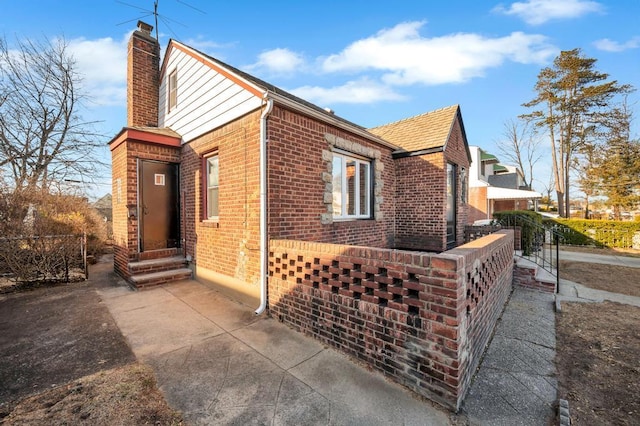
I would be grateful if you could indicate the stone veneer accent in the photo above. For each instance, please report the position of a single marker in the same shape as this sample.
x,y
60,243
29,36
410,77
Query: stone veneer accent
x,y
327,177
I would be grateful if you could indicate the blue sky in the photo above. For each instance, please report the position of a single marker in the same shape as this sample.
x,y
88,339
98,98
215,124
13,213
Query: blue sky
x,y
371,62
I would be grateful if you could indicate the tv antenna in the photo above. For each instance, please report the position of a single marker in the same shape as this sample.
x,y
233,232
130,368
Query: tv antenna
x,y
164,19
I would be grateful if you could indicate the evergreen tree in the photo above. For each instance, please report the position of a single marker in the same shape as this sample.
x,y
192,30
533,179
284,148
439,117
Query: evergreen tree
x,y
618,171
572,97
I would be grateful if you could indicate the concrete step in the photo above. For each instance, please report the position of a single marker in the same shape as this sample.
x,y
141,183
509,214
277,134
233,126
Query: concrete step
x,y
156,265
157,254
157,278
542,279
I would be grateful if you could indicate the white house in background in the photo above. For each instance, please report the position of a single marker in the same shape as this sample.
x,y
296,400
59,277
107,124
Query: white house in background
x,y
494,187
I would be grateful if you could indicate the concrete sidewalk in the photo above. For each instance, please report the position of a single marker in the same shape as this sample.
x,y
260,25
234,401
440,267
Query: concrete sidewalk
x,y
516,383
631,262
574,292
220,364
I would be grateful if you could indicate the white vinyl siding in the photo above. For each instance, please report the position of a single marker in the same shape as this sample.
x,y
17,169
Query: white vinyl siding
x,y
207,98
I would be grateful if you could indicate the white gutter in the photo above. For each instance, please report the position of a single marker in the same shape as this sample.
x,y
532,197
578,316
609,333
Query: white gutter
x,y
263,204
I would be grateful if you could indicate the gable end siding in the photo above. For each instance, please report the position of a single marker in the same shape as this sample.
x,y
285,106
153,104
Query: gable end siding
x,y
206,99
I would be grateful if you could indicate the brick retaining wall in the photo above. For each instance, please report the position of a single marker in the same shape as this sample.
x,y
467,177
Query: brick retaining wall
x,y
526,277
422,319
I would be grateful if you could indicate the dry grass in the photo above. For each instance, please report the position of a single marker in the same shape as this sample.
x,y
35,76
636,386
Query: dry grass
x,y
122,396
598,344
614,278
597,361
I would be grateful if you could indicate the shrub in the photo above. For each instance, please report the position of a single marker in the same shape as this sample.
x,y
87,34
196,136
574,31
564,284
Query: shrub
x,y
599,233
530,224
41,233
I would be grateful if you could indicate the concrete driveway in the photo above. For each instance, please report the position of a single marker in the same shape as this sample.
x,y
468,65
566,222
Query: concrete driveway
x,y
220,364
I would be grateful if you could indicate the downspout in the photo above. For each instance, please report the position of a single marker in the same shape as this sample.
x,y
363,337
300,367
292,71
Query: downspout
x,y
263,204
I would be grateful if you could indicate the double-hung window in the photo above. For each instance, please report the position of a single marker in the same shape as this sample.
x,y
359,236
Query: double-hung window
x,y
351,186
212,190
173,90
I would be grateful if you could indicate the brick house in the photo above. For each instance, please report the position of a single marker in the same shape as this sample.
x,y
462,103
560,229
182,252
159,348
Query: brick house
x,y
326,179
494,187
332,227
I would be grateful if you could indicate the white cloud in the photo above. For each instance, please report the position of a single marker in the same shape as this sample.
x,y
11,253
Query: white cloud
x,y
279,61
204,45
360,91
405,57
102,64
614,46
537,12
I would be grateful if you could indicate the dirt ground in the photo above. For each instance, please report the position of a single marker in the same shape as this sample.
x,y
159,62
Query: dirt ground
x,y
617,279
598,362
122,396
598,346
61,353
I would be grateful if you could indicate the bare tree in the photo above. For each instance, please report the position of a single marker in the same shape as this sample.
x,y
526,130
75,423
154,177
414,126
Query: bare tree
x,y
548,189
43,139
520,146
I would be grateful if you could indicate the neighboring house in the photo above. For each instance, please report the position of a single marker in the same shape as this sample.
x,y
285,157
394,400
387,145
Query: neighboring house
x,y
494,187
104,207
334,228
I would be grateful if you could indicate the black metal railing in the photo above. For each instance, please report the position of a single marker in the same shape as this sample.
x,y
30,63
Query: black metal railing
x,y
538,243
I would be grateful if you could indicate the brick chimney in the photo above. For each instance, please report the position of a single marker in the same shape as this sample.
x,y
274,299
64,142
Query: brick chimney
x,y
143,75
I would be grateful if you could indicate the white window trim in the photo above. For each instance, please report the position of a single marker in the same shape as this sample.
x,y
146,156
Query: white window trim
x,y
206,204
172,88
338,143
343,215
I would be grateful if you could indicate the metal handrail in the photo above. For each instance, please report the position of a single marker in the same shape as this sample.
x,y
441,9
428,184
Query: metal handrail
x,y
543,248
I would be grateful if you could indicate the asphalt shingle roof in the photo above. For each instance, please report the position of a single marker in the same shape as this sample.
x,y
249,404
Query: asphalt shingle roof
x,y
424,131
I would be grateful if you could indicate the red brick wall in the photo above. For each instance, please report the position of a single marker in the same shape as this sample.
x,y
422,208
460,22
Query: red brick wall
x,y
421,319
296,185
420,202
526,277
420,196
143,75
124,171
507,205
121,196
488,277
229,246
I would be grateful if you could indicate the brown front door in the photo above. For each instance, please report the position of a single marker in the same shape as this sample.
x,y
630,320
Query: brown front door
x,y
159,220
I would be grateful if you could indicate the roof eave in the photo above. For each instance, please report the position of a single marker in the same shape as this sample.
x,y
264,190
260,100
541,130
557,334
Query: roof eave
x,y
404,154
329,119
282,100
